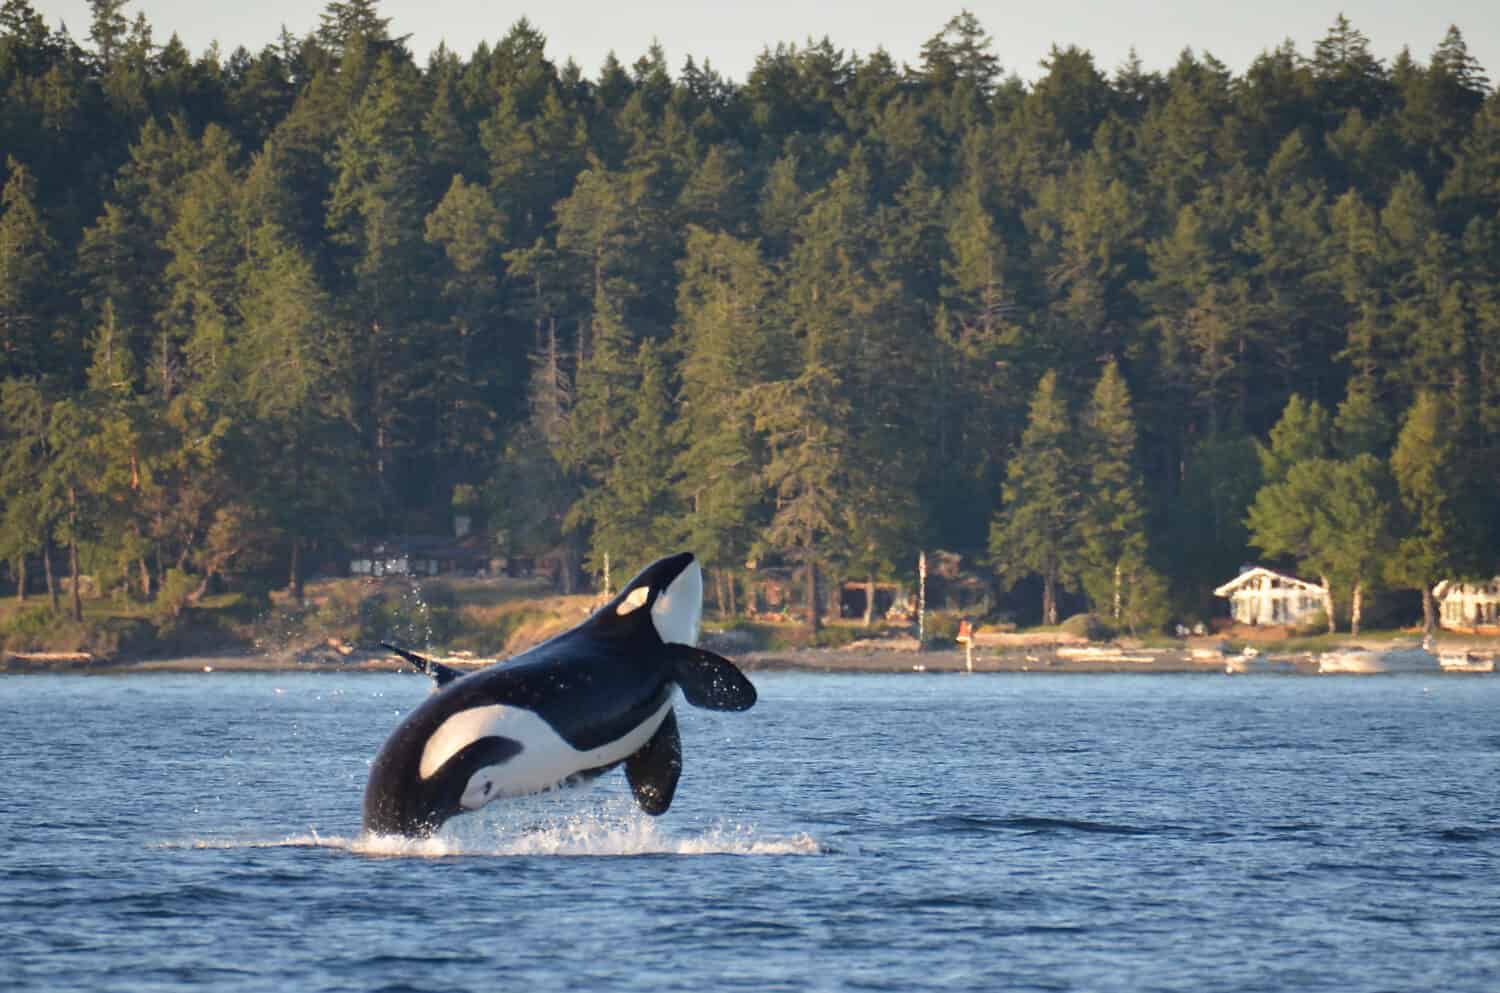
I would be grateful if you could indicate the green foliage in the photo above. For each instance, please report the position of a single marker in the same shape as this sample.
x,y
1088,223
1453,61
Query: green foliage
x,y
1333,517
30,629
254,309
1089,626
173,598
942,629
1036,529
1113,522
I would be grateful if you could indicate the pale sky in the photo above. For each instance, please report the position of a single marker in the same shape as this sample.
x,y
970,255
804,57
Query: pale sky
x,y
732,35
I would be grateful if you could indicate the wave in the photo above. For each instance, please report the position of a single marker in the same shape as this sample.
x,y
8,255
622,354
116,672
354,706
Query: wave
x,y
581,835
968,824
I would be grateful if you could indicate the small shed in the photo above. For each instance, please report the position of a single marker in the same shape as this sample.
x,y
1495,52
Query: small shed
x,y
1468,605
1264,596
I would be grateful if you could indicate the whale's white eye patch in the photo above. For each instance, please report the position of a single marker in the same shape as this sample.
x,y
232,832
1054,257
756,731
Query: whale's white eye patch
x,y
679,607
634,600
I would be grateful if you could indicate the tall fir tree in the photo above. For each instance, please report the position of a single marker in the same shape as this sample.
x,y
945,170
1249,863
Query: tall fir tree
x,y
1035,531
1113,514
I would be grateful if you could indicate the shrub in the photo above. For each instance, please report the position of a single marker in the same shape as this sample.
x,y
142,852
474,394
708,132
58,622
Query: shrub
x,y
172,599
1090,626
1314,623
941,629
834,636
30,629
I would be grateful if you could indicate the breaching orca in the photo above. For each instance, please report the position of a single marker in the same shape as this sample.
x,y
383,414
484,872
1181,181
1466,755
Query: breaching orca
x,y
567,710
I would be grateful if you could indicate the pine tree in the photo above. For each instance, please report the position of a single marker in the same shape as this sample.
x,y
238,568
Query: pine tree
x,y
633,510
730,341
108,30
805,421
342,21
25,274
295,365
1036,529
28,522
1435,541
1113,517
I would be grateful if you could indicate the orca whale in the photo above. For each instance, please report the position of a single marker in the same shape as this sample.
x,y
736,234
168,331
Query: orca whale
x,y
570,709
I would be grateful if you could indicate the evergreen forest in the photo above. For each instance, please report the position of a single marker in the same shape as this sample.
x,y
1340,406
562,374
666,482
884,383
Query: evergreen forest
x,y
1108,335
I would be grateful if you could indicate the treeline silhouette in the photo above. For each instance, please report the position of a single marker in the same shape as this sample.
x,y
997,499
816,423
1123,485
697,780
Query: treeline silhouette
x,y
257,306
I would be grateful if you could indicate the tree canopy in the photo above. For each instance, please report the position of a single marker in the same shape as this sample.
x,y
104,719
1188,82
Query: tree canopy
x,y
255,306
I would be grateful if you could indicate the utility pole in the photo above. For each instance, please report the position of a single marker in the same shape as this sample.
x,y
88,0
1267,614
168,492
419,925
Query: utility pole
x,y
921,599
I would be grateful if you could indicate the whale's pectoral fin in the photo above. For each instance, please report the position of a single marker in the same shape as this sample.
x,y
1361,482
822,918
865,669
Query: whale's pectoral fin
x,y
441,674
653,771
710,680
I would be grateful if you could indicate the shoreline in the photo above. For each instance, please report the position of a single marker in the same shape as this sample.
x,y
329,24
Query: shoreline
x,y
1055,657
829,660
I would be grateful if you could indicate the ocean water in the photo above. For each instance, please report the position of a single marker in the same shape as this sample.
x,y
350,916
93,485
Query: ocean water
x,y
911,832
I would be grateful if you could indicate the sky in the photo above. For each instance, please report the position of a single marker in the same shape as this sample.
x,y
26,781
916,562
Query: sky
x,y
730,36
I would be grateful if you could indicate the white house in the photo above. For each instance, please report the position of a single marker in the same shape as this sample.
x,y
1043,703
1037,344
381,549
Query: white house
x,y
1262,596
1468,605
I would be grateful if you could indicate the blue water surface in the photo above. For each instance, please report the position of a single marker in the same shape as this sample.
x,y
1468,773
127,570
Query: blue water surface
x,y
911,832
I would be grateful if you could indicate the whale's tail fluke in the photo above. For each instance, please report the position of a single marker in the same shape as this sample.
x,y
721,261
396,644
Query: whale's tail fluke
x,y
441,674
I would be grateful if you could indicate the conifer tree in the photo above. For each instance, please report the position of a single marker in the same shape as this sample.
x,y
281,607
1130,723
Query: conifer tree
x,y
1035,531
1435,542
108,30
805,422
295,365
1113,515
25,274
730,341
632,511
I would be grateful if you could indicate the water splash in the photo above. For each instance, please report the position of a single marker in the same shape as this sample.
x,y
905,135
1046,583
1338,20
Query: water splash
x,y
596,834
417,615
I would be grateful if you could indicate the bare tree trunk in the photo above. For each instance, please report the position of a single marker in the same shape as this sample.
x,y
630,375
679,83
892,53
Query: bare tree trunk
x,y
73,553
145,579
869,600
73,568
294,581
1049,599
1117,593
1356,604
1328,605
21,578
732,582
1429,611
814,615
51,579
565,576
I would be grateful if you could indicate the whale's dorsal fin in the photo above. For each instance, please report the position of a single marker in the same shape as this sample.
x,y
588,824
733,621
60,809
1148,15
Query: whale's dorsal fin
x,y
654,770
441,674
708,680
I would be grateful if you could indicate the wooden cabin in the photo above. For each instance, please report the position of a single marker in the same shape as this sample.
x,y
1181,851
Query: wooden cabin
x,y
1263,596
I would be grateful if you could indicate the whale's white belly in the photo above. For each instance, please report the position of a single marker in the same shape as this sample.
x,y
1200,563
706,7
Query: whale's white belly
x,y
545,761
